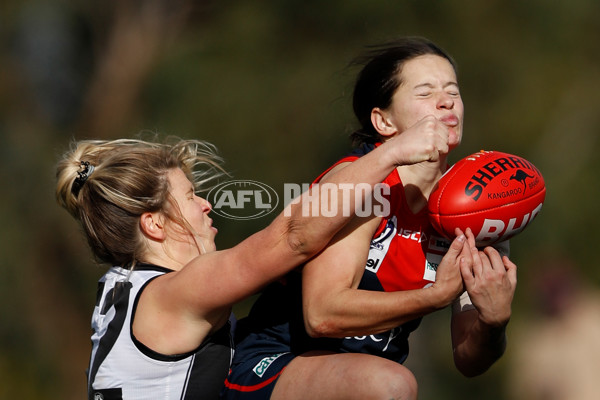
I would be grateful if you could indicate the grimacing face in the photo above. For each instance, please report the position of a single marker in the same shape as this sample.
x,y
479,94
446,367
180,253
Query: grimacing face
x,y
429,87
194,210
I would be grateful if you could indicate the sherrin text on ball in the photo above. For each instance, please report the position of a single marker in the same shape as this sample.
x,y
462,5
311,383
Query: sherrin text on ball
x,y
495,194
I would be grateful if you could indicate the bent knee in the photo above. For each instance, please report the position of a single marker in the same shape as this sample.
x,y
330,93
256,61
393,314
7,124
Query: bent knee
x,y
398,382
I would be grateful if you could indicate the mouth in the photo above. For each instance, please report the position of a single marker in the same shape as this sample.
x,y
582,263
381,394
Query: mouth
x,y
211,227
450,121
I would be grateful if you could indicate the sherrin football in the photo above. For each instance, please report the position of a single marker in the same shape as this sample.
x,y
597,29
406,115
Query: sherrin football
x,y
495,194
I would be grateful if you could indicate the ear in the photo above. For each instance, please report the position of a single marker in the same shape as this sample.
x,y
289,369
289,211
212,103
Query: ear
x,y
381,122
152,226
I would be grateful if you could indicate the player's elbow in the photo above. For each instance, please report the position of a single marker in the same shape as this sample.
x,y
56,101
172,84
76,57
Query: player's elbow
x,y
318,326
475,366
468,370
301,241
319,330
299,245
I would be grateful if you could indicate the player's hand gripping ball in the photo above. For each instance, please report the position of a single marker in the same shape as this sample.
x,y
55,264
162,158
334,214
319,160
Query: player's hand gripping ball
x,y
495,194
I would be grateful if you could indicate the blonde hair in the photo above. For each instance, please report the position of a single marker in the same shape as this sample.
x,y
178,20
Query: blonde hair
x,y
108,185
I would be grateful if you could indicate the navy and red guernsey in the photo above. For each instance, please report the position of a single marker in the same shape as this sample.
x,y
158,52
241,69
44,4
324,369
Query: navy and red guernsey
x,y
404,255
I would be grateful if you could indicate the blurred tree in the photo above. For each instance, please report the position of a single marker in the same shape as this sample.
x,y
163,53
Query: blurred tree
x,y
137,36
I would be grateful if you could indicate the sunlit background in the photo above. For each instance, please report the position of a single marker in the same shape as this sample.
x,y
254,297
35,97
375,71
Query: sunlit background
x,y
268,82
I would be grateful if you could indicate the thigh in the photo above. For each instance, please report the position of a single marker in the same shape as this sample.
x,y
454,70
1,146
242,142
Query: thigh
x,y
320,375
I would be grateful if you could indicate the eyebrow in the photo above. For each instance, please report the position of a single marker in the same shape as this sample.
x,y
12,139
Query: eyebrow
x,y
430,85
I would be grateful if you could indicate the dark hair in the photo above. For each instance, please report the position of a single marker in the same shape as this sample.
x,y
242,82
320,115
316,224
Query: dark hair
x,y
379,78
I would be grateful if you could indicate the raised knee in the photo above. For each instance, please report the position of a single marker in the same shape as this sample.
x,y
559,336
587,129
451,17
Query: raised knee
x,y
400,383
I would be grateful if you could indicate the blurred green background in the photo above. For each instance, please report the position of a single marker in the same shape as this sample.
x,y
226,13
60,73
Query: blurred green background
x,y
268,83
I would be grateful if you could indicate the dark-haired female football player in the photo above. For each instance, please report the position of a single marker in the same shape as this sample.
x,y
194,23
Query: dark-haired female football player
x,y
340,329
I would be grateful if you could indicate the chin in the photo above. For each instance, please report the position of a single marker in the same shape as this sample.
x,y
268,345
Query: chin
x,y
452,147
210,246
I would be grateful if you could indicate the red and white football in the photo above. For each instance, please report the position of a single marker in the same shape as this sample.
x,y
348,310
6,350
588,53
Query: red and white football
x,y
495,194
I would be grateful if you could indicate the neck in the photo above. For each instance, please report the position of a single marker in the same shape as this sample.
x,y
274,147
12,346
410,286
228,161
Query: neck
x,y
172,254
163,261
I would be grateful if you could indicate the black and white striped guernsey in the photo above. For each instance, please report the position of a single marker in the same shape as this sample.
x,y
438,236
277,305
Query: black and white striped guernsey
x,y
123,368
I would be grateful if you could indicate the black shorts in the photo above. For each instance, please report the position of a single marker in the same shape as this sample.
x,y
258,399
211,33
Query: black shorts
x,y
255,377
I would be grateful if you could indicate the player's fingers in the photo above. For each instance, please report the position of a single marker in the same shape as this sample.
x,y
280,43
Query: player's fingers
x,y
428,119
466,271
466,264
466,258
476,265
442,138
495,260
487,263
478,261
443,148
470,237
456,246
511,270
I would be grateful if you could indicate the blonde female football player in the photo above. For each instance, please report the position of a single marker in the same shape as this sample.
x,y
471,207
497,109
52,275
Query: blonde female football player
x,y
161,321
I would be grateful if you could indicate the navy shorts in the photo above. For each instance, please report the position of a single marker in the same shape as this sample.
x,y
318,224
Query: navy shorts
x,y
255,377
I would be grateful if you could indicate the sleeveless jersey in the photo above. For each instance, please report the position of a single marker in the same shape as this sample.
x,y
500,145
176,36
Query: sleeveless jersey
x,y
404,254
123,368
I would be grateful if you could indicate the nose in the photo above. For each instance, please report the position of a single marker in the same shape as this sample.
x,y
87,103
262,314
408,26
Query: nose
x,y
445,101
207,205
